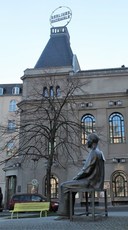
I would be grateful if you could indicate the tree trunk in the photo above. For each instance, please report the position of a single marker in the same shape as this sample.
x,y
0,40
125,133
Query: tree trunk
x,y
48,175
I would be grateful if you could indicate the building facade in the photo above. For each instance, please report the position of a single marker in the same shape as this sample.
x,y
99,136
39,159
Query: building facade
x,y
101,105
10,96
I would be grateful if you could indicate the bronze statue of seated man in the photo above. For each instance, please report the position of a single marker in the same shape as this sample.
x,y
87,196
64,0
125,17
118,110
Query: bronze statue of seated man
x,y
90,176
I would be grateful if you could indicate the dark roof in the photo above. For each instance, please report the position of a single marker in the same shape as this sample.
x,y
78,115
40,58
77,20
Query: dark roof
x,y
7,88
57,52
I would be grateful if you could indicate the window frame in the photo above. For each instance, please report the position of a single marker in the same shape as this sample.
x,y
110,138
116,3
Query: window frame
x,y
51,91
11,125
10,147
12,106
15,90
58,91
119,184
45,92
1,91
116,128
54,187
89,129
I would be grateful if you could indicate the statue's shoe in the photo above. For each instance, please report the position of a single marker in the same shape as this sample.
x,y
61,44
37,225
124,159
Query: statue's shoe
x,y
62,218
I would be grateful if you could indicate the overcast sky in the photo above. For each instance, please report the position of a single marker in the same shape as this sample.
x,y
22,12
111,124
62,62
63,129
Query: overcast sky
x,y
98,34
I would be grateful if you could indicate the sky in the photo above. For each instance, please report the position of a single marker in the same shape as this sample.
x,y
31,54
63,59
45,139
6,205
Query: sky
x,y
98,34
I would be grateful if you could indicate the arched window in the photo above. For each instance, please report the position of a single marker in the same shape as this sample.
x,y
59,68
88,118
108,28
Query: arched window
x,y
58,91
12,106
119,184
54,187
51,91
88,124
45,92
116,128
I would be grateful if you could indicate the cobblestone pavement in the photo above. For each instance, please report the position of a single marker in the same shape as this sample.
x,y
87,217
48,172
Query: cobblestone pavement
x,y
78,223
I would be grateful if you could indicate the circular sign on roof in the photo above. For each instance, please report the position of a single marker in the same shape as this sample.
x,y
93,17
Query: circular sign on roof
x,y
61,16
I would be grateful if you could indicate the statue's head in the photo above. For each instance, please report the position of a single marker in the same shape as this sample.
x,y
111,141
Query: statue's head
x,y
92,138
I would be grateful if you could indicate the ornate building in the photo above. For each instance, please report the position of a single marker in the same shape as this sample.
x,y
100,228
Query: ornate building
x,y
101,105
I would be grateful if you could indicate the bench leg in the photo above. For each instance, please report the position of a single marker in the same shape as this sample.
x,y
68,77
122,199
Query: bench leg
x,y
12,215
45,213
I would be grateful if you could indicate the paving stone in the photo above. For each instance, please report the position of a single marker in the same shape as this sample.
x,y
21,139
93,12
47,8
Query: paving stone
x,y
78,223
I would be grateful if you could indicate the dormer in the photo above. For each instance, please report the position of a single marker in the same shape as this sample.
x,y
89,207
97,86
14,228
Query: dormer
x,y
15,90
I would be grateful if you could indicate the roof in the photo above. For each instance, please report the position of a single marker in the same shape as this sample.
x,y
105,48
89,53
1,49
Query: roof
x,y
7,89
57,52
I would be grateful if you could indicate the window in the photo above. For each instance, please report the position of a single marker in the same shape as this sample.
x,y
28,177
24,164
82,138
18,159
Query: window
x,y
12,106
36,198
1,91
11,125
51,91
119,184
10,147
88,124
15,90
54,187
116,128
58,91
45,92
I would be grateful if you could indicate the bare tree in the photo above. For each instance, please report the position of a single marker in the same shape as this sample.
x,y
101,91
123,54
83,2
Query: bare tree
x,y
49,124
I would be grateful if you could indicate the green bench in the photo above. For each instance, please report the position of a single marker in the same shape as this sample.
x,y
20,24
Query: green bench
x,y
31,207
